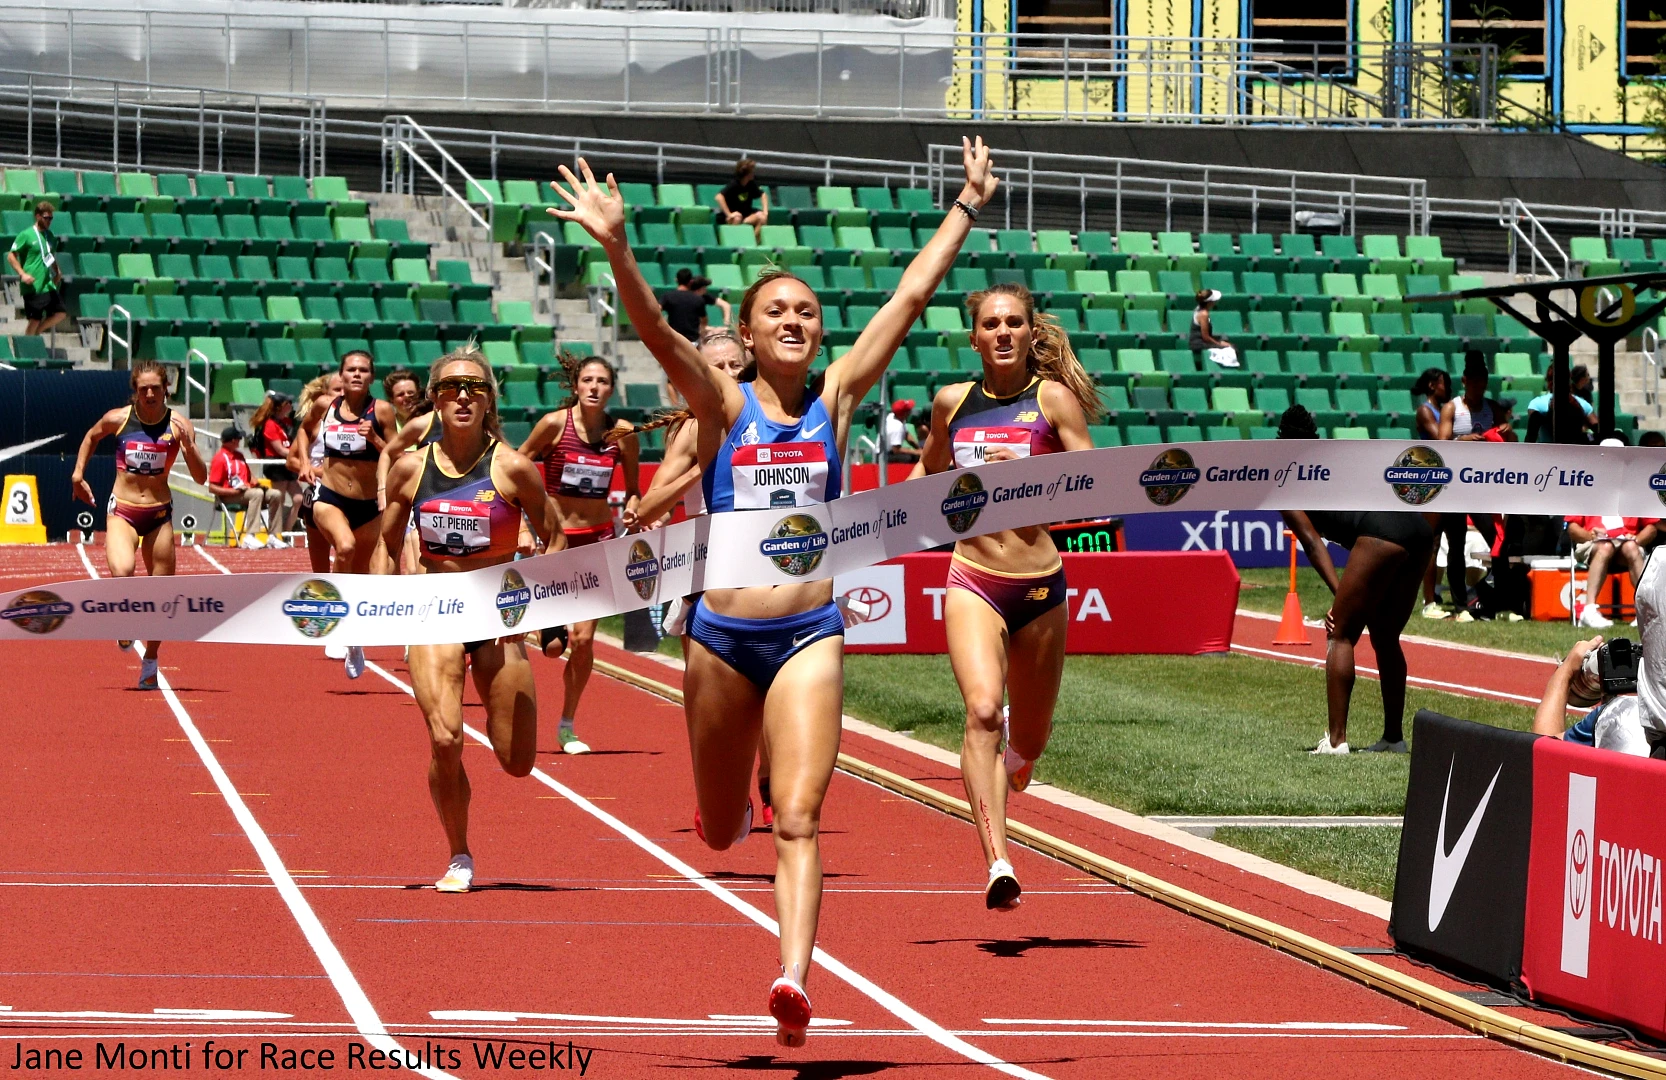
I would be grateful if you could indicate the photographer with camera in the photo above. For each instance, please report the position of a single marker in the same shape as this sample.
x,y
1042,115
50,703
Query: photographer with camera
x,y
1604,675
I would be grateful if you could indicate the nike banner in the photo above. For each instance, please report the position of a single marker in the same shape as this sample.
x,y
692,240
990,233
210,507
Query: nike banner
x,y
1595,934
1460,891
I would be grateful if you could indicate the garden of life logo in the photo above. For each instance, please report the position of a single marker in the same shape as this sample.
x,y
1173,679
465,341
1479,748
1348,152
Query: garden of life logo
x,y
965,501
642,569
1417,475
796,544
315,607
512,598
1657,484
1169,477
37,611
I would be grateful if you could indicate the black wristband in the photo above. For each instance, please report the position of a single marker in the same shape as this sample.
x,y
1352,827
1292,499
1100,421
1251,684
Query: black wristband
x,y
967,209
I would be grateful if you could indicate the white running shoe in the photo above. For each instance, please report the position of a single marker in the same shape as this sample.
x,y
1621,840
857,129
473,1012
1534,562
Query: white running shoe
x,y
571,743
1592,618
459,876
1002,893
273,540
790,1006
251,541
354,661
1383,746
1325,747
1434,609
147,674
335,652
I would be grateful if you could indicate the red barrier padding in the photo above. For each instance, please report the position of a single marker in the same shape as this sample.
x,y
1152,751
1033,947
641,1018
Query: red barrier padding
x,y
1129,602
1595,940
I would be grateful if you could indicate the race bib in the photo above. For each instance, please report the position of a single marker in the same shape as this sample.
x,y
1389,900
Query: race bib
x,y
46,256
145,459
972,444
344,438
454,528
586,475
768,475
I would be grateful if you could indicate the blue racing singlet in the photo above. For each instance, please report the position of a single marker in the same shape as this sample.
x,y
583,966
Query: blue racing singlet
x,y
763,465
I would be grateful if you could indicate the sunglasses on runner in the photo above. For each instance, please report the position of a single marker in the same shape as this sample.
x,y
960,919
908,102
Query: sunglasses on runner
x,y
452,385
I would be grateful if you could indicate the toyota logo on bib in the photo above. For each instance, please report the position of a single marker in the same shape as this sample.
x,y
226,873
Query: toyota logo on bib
x,y
878,600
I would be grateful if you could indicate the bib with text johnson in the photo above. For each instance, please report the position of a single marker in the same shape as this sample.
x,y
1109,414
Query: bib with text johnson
x,y
145,459
972,445
586,474
770,475
455,527
344,438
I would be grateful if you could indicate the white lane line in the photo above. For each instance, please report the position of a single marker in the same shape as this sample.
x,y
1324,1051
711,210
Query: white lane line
x,y
92,571
715,1020
212,561
341,976
887,1001
1277,1025
1315,661
1419,639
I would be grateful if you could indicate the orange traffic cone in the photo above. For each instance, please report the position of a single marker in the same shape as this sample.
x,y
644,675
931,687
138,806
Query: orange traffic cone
x,y
1291,631
1290,628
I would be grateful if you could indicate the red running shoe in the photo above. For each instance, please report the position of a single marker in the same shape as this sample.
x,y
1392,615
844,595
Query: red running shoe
x,y
790,1006
768,819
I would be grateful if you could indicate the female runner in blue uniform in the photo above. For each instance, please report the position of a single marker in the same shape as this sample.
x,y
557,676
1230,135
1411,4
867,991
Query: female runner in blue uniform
x,y
1004,611
149,435
772,657
469,492
353,427
580,444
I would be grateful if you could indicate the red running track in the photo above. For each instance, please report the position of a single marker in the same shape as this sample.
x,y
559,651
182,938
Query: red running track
x,y
601,920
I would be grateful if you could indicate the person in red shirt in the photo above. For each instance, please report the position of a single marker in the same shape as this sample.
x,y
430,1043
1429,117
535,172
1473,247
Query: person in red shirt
x,y
232,484
1596,541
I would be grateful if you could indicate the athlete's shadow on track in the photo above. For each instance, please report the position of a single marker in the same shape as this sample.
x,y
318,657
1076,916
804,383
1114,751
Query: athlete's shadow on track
x,y
1016,947
808,1070
511,886
558,753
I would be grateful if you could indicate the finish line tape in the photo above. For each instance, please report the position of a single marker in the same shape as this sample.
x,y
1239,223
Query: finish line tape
x,y
809,543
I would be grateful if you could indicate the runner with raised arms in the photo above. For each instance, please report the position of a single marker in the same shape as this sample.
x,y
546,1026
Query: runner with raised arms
x,y
772,657
580,445
1004,611
139,518
468,492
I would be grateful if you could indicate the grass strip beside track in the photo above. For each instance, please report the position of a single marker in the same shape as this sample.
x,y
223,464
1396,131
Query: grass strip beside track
x,y
1360,858
1405,987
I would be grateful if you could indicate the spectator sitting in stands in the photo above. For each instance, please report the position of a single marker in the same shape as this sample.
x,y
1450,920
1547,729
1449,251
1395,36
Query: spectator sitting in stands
x,y
232,484
1621,720
1596,541
33,258
1651,438
744,201
1203,339
1580,417
902,445
685,309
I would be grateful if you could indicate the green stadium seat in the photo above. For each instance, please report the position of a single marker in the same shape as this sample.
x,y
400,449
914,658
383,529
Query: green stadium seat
x,y
1425,252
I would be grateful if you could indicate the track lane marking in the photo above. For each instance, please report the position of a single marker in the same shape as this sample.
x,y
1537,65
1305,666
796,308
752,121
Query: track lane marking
x,y
887,1001
358,1005
1315,661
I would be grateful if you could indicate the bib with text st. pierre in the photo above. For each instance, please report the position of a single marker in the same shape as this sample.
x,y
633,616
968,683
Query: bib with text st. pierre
x,y
453,527
972,445
768,475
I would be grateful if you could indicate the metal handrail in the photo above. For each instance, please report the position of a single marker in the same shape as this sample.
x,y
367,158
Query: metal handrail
x,y
186,382
398,143
540,259
112,338
1511,214
598,300
1651,355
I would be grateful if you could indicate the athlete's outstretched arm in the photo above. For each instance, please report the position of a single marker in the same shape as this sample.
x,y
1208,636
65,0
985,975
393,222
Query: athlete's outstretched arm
x,y
528,483
854,373
678,470
392,450
601,213
544,434
396,509
936,455
108,424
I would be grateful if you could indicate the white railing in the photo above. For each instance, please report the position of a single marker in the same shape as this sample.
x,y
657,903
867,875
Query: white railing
x,y
1651,356
112,339
802,65
404,144
1527,230
540,259
186,382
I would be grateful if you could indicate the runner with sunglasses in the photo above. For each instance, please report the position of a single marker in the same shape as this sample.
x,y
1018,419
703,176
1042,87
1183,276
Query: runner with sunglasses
x,y
469,492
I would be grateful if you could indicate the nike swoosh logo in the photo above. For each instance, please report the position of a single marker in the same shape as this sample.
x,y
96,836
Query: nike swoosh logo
x,y
812,432
1444,877
798,642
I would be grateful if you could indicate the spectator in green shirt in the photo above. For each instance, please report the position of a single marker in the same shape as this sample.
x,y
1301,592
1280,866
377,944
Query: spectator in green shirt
x,y
34,258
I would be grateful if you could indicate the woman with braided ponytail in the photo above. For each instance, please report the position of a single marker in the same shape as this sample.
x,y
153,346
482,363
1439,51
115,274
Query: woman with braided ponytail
x,y
1004,610
580,444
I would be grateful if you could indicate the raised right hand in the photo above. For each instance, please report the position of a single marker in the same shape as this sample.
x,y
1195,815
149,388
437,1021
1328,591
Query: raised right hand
x,y
600,213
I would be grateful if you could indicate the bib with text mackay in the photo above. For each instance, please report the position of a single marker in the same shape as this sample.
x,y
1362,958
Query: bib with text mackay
x,y
770,475
972,444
